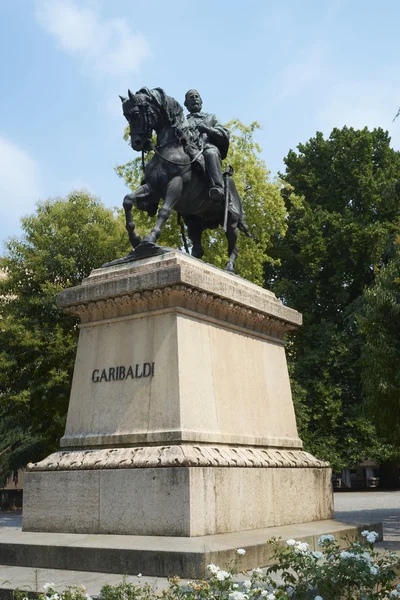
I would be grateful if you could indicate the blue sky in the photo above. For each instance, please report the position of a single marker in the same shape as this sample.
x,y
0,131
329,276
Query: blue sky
x,y
296,67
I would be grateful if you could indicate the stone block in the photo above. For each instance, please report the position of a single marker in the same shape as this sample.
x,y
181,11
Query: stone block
x,y
65,502
175,501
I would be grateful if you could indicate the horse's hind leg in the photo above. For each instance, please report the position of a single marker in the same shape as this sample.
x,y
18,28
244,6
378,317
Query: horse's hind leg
x,y
231,236
195,229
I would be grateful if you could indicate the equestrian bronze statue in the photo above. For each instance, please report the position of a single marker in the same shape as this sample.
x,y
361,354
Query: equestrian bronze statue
x,y
184,173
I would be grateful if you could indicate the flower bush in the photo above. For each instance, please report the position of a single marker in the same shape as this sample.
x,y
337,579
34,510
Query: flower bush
x,y
332,573
73,592
357,572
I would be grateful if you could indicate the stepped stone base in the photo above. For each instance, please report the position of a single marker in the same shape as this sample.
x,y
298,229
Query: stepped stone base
x,y
158,556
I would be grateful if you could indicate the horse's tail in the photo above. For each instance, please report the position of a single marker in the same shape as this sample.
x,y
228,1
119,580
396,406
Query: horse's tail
x,y
236,207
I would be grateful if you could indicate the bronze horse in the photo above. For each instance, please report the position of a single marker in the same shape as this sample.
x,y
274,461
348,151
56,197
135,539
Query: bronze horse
x,y
171,175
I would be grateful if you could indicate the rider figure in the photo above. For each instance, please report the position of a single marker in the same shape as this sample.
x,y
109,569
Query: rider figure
x,y
208,133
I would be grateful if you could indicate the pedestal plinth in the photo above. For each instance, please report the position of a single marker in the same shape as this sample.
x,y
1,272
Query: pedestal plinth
x,y
181,420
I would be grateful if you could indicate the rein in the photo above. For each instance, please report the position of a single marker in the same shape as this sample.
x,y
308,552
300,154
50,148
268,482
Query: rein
x,y
175,163
168,160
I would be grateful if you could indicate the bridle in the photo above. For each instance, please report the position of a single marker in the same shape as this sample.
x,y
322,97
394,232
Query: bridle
x,y
147,131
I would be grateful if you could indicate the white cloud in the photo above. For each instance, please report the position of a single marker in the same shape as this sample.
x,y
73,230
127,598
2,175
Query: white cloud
x,y
19,186
107,46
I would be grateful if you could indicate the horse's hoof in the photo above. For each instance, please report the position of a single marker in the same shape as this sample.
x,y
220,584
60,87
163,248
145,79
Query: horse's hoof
x,y
230,268
150,239
135,240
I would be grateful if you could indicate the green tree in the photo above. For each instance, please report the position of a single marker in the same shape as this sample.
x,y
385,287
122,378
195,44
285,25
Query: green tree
x,y
341,223
379,324
62,242
262,201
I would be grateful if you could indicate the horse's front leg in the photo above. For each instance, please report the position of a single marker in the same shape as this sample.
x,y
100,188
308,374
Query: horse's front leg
x,y
195,229
172,195
130,200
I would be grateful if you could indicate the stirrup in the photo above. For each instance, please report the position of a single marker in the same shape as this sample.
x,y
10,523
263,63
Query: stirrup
x,y
216,193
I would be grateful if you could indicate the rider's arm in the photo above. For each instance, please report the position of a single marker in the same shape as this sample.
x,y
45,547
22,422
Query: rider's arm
x,y
216,133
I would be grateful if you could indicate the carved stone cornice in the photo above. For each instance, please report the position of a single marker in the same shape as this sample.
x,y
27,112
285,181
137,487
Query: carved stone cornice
x,y
176,456
186,298
178,281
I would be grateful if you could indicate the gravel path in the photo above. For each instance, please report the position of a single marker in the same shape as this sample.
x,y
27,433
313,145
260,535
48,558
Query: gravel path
x,y
372,507
10,521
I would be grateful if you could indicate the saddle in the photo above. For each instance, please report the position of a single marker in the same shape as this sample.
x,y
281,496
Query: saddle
x,y
199,163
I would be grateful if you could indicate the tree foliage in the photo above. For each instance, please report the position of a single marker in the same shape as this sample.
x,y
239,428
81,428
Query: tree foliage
x,y
379,324
262,201
62,242
341,225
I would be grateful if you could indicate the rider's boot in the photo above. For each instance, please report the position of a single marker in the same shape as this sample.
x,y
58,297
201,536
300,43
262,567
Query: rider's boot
x,y
216,191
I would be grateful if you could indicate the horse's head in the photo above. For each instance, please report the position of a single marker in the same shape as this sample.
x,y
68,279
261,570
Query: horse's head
x,y
142,118
149,110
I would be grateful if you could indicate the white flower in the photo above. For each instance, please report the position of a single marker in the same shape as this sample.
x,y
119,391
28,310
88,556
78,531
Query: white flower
x,y
301,547
373,570
325,538
241,551
257,572
371,536
271,596
48,586
264,593
394,594
317,555
318,598
213,569
291,542
237,596
345,554
366,556
222,575
247,584
235,586
139,574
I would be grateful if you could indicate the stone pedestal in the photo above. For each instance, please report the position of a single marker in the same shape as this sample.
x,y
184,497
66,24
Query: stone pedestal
x,y
181,420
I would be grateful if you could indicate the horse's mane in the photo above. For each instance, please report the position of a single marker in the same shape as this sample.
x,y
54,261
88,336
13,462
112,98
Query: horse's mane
x,y
169,108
